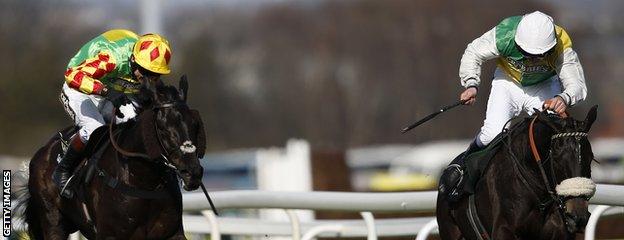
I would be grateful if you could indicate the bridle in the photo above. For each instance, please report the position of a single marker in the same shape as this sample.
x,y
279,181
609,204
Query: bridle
x,y
546,182
536,156
186,147
164,159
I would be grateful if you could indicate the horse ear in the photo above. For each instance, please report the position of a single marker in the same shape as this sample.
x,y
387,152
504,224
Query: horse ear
x,y
591,117
183,88
200,142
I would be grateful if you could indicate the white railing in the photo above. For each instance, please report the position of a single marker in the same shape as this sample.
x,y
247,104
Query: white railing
x,y
366,203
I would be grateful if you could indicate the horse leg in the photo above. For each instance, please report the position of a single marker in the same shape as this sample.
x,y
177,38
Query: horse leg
x,y
448,228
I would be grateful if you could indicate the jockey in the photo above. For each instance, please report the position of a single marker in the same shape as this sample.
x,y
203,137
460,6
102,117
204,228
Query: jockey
x,y
536,68
98,78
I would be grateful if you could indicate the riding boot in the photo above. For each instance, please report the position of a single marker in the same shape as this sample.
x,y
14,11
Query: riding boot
x,y
451,181
65,167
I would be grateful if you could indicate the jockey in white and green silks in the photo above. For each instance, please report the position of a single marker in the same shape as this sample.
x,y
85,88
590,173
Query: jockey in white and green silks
x,y
523,81
536,68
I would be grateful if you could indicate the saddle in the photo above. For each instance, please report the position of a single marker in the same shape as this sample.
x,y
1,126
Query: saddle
x,y
477,163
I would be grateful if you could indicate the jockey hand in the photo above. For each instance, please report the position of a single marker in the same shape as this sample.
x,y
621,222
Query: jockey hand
x,y
556,104
469,95
117,98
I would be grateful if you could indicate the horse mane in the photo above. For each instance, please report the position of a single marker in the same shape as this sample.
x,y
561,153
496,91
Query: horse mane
x,y
151,95
518,132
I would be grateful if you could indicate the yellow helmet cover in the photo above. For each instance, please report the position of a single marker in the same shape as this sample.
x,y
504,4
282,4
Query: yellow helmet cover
x,y
153,53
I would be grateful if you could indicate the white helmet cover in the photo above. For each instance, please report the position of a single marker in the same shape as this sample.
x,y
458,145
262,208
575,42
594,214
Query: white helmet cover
x,y
536,33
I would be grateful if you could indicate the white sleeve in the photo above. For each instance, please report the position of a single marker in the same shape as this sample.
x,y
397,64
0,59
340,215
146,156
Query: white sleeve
x,y
478,51
572,78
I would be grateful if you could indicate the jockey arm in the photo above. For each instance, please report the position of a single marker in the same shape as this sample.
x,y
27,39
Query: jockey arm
x,y
478,51
86,76
572,78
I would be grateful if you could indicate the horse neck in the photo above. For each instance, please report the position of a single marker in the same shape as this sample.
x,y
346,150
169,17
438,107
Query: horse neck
x,y
521,144
145,173
528,170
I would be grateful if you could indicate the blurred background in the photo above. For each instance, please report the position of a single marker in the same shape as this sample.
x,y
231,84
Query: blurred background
x,y
341,76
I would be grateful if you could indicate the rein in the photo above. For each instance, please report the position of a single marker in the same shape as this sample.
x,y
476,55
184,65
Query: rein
x,y
140,155
538,159
117,147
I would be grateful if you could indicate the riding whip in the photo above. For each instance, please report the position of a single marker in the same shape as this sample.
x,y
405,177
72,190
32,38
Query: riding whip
x,y
214,209
430,116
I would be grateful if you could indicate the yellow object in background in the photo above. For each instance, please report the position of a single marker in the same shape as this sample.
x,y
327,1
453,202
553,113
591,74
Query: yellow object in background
x,y
402,182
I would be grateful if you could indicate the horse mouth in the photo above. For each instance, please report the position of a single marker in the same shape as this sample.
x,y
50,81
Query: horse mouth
x,y
190,186
190,181
575,224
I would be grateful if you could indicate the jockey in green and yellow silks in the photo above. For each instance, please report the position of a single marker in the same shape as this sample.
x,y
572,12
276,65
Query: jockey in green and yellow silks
x,y
106,59
97,80
536,69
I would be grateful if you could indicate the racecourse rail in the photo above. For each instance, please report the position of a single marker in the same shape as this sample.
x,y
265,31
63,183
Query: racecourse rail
x,y
607,197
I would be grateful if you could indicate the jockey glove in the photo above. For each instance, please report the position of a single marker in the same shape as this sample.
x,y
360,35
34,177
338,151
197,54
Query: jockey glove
x,y
117,98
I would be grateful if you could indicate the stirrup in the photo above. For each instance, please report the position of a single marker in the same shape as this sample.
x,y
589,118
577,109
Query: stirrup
x,y
454,190
460,170
66,192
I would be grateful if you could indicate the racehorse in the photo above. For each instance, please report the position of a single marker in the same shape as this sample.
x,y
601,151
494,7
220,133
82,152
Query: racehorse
x,y
134,192
537,184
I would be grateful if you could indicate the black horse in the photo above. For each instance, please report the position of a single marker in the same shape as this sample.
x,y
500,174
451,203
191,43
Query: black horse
x,y
537,185
134,192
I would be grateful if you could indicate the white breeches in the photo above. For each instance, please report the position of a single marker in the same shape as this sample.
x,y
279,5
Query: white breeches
x,y
91,111
508,99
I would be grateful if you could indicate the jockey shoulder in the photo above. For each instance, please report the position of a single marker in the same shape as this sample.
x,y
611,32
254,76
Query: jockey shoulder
x,y
117,59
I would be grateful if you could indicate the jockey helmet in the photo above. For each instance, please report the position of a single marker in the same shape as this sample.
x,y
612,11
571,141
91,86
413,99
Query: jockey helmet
x,y
536,33
153,53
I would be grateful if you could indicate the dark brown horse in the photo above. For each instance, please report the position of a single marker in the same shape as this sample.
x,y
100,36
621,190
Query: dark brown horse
x,y
134,193
527,192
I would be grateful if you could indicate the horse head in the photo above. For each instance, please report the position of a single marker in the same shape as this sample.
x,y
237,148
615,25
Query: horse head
x,y
570,159
172,131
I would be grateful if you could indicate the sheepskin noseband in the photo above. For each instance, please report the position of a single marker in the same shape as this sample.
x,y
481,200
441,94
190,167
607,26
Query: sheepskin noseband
x,y
576,187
